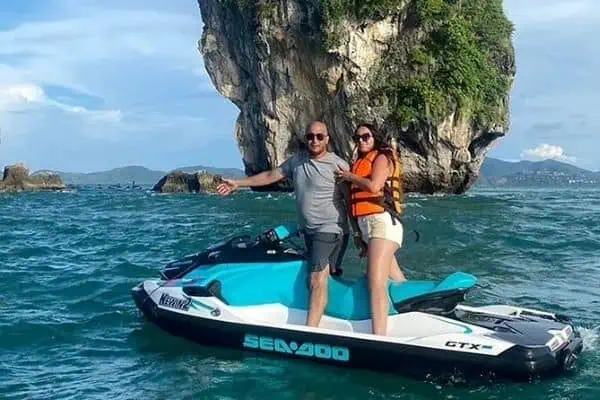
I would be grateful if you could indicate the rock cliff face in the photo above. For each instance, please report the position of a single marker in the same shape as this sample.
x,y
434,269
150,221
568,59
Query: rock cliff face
x,y
406,65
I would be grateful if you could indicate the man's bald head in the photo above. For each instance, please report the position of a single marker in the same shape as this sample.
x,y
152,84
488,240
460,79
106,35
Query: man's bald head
x,y
317,127
317,138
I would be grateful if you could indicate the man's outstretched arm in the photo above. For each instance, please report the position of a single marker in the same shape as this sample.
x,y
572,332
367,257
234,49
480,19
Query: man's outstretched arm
x,y
263,179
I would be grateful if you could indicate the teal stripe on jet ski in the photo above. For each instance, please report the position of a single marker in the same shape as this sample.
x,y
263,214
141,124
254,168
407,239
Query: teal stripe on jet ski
x,y
198,305
286,283
467,328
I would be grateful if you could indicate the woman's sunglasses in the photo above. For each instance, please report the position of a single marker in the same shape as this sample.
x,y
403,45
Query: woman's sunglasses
x,y
312,136
363,138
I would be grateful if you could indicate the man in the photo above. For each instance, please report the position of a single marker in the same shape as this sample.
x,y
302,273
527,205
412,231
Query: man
x,y
321,209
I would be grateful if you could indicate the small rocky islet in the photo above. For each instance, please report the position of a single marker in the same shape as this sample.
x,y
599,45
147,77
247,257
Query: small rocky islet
x,y
17,178
185,182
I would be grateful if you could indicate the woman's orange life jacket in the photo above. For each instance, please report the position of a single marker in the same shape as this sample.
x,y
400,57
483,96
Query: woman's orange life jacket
x,y
389,199
364,202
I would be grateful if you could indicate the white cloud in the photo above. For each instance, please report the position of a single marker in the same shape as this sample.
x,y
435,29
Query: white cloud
x,y
17,98
92,115
29,96
102,63
28,93
511,160
63,51
547,152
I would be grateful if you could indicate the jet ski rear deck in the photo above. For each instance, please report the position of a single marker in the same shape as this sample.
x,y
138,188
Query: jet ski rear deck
x,y
252,295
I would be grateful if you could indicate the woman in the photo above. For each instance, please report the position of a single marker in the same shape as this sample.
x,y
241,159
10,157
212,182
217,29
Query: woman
x,y
371,171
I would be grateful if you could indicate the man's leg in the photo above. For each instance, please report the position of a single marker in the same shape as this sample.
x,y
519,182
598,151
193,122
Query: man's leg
x,y
337,256
320,247
318,296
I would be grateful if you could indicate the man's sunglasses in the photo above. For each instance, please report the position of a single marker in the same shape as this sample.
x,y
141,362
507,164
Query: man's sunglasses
x,y
363,138
312,136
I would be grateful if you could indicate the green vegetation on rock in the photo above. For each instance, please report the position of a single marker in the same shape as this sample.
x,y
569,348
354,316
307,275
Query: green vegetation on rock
x,y
451,55
336,12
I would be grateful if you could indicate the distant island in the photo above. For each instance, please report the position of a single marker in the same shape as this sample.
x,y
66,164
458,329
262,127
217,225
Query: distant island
x,y
134,174
496,172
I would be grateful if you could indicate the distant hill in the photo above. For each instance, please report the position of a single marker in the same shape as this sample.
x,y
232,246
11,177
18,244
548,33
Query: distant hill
x,y
123,175
127,175
496,172
493,172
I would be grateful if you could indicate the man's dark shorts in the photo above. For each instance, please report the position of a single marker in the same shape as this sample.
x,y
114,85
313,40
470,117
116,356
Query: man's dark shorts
x,y
326,249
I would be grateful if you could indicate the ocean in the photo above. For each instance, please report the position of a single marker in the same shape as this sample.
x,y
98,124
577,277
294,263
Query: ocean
x,y
68,260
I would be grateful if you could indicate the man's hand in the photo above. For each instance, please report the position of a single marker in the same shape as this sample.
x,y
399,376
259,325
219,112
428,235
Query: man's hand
x,y
228,186
343,174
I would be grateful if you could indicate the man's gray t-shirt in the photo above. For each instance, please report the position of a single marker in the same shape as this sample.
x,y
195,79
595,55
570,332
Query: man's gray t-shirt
x,y
319,198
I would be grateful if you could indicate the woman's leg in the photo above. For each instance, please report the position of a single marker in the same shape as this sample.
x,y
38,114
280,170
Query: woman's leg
x,y
380,256
395,272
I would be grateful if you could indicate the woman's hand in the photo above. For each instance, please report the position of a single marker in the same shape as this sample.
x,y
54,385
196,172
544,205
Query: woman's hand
x,y
343,174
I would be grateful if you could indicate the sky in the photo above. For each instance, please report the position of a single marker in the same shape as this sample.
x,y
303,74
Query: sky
x,y
89,85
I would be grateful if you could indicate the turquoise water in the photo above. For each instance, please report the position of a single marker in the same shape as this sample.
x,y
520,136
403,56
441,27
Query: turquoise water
x,y
69,329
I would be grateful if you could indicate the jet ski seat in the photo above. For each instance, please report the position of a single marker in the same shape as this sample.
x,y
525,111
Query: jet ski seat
x,y
350,299
286,283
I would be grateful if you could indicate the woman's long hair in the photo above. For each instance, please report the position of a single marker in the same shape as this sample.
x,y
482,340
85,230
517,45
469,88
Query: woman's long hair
x,y
382,143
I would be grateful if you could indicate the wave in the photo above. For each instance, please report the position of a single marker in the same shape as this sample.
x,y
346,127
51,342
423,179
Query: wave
x,y
591,338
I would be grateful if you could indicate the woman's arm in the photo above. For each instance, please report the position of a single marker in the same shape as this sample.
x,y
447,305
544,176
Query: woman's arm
x,y
380,173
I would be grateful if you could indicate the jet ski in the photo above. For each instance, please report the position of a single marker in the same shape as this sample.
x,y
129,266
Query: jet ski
x,y
251,294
